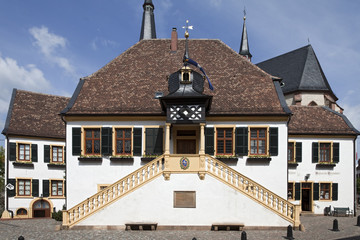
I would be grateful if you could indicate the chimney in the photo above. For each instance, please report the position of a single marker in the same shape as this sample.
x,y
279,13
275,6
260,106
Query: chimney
x,y
174,40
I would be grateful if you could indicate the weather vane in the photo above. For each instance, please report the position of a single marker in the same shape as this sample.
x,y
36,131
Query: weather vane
x,y
187,27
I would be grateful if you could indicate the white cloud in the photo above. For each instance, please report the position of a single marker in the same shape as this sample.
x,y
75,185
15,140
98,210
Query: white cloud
x,y
103,42
23,77
215,3
51,45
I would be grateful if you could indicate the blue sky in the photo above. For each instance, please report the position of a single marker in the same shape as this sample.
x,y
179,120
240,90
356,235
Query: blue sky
x,y
46,46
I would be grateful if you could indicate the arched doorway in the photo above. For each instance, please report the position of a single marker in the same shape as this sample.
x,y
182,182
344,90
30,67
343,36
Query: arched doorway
x,y
41,208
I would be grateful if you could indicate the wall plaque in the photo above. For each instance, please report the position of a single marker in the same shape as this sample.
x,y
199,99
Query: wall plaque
x,y
184,199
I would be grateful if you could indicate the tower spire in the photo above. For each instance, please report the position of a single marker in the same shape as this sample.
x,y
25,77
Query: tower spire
x,y
148,21
244,45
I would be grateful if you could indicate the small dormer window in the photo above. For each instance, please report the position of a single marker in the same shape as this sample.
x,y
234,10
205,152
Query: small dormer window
x,y
185,75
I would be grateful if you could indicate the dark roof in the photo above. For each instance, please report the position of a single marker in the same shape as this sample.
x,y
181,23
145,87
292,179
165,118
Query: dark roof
x,y
36,115
127,85
300,71
319,120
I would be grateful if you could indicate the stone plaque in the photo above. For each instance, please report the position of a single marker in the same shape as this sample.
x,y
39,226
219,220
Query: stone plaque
x,y
184,199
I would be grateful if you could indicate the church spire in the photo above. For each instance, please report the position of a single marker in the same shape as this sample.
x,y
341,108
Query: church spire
x,y
148,21
244,45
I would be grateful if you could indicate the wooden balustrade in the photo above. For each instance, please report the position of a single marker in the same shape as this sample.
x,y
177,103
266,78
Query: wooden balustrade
x,y
113,192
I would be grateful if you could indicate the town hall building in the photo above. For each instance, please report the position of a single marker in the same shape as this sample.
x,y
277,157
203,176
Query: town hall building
x,y
167,145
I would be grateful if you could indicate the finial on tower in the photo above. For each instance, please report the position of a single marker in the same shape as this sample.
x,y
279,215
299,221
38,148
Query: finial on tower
x,y
148,21
186,54
244,45
187,27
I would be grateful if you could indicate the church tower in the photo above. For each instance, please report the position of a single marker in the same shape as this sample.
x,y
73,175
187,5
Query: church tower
x,y
244,45
148,21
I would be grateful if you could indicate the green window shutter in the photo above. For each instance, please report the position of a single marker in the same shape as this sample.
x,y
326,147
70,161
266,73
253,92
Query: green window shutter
x,y
64,188
298,152
316,191
34,153
297,191
46,153
11,193
12,152
273,141
64,154
241,141
154,141
159,141
35,187
106,141
137,142
334,191
209,140
336,152
46,188
315,152
76,141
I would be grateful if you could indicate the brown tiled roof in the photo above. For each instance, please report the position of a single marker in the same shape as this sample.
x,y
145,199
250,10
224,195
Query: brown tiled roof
x,y
34,114
319,120
127,85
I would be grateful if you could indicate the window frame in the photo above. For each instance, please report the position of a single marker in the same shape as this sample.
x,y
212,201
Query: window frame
x,y
52,156
51,185
83,140
225,139
329,189
114,136
18,152
292,192
330,160
266,154
18,188
293,152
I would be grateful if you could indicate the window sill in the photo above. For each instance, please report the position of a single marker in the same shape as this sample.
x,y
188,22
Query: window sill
x,y
56,165
27,164
90,158
24,197
147,159
227,158
325,165
56,197
293,164
119,158
259,158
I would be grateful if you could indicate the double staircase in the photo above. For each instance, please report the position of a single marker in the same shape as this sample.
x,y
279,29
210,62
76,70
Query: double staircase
x,y
161,165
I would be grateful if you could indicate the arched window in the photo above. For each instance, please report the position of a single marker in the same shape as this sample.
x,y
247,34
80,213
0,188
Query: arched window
x,y
312,104
21,211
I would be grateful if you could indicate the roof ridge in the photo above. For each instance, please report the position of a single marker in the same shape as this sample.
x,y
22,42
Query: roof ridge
x,y
43,94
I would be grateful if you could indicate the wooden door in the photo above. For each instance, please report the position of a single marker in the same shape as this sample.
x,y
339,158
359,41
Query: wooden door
x,y
186,146
306,197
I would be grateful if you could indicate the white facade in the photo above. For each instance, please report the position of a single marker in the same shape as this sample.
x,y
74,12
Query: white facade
x,y
341,173
39,171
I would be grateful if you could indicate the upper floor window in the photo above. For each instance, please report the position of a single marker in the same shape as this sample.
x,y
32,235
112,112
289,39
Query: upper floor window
x,y
24,152
224,141
291,152
57,154
24,187
123,141
325,152
258,141
92,141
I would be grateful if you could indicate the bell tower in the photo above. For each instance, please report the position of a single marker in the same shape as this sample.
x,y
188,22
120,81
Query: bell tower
x,y
148,21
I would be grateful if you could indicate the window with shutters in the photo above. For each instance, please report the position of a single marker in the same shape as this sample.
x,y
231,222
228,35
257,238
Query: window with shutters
x,y
153,141
23,152
325,191
123,141
92,141
291,191
224,141
291,152
57,154
23,188
57,188
325,152
258,141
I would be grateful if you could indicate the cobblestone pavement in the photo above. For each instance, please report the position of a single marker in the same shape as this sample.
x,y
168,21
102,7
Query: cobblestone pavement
x,y
316,228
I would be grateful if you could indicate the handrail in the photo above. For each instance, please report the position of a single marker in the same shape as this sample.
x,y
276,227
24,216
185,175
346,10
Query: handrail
x,y
113,192
255,191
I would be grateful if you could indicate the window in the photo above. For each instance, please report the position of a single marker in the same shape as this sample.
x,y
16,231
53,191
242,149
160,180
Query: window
x,y
325,191
24,187
123,141
258,141
92,141
291,191
291,152
325,152
57,188
21,212
224,141
57,154
24,152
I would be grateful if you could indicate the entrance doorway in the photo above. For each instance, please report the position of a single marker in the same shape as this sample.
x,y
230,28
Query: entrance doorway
x,y
185,140
41,208
306,203
186,146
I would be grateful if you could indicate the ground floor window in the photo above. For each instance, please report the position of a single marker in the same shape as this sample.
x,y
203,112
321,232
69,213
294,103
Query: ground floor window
x,y
325,191
24,187
57,188
21,212
291,190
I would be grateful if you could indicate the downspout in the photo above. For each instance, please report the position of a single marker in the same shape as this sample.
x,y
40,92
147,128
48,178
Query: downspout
x,y
354,173
7,173
62,118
